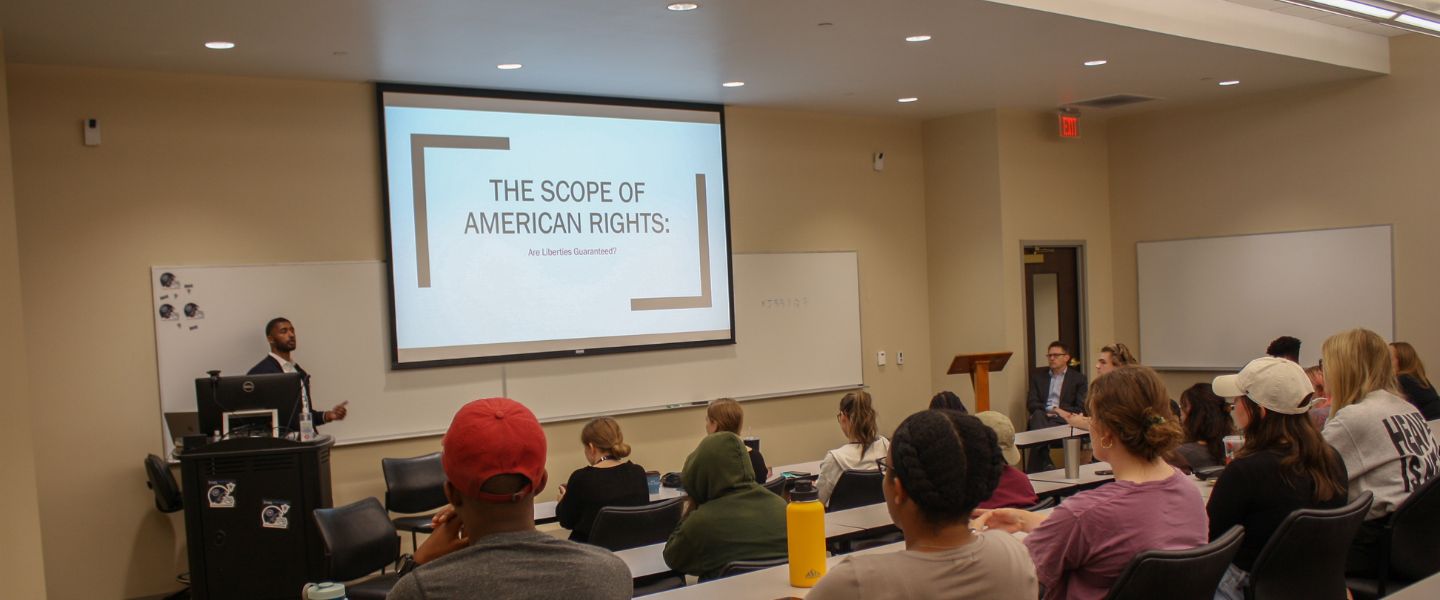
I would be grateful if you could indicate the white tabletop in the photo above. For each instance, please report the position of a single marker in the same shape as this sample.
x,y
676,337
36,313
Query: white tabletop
x,y
1048,434
812,467
545,511
1049,487
772,583
649,560
863,518
1089,473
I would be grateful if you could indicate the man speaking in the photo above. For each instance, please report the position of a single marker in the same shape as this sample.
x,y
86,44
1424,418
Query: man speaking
x,y
281,335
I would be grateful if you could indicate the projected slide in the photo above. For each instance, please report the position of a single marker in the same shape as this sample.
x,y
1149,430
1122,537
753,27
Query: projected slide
x,y
534,227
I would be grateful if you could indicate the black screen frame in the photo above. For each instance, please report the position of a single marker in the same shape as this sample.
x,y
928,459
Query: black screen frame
x,y
381,88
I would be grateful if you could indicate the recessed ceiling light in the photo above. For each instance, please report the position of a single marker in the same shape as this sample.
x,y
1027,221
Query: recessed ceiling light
x,y
1418,22
1095,63
683,6
918,38
219,45
1359,7
733,84
1231,82
907,100
509,66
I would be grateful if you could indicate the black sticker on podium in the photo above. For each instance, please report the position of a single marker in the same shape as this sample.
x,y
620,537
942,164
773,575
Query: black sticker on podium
x,y
221,493
272,514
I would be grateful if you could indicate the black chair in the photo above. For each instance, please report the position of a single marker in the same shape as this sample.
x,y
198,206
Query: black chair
x,y
1178,574
1409,547
740,567
359,540
856,489
1044,503
776,485
162,482
619,528
1305,558
167,500
414,485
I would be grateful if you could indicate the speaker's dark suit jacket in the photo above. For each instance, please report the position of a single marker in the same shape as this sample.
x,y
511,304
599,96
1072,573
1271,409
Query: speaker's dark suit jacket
x,y
1072,390
269,365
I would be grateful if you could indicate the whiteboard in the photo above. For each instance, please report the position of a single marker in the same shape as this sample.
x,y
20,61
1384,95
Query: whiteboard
x,y
797,330
1216,303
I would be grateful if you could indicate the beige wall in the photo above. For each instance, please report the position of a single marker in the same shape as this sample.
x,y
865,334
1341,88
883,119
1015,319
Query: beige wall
x,y
1358,153
996,180
21,567
962,209
222,170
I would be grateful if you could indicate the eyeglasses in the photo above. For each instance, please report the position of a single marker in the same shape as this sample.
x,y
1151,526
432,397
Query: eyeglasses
x,y
1055,355
883,463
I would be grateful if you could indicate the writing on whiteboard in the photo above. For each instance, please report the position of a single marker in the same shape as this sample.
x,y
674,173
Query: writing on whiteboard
x,y
796,303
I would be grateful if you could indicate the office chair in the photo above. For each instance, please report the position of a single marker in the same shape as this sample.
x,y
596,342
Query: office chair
x,y
359,540
414,485
1178,574
1409,548
623,527
1305,558
856,489
167,500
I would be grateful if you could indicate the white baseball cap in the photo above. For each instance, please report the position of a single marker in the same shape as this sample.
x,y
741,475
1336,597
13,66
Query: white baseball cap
x,y
1277,384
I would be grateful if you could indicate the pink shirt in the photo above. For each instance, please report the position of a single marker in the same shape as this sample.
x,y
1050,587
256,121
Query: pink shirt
x,y
1080,550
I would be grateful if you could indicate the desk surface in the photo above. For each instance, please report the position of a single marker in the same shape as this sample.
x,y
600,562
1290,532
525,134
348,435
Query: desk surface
x,y
1089,473
545,511
1049,434
812,467
772,583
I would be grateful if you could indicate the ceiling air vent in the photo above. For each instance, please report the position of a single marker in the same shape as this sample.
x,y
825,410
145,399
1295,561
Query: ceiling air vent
x,y
1112,101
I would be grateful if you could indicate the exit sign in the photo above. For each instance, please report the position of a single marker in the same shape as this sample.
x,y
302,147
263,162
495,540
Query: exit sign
x,y
1069,126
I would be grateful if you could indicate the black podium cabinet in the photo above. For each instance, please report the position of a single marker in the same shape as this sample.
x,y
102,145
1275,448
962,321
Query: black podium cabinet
x,y
248,521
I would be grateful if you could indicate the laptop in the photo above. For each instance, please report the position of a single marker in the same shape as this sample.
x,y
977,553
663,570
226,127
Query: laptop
x,y
182,424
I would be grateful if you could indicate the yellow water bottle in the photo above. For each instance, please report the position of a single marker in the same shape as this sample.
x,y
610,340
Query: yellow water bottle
x,y
805,530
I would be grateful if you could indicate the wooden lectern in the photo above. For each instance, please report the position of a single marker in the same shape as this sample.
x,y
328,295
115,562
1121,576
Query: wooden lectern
x,y
979,367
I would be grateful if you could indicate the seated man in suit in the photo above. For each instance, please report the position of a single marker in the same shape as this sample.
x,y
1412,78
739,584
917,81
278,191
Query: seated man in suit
x,y
281,335
1052,388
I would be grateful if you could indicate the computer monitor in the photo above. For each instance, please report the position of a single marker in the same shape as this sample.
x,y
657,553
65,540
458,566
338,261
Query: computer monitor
x,y
242,396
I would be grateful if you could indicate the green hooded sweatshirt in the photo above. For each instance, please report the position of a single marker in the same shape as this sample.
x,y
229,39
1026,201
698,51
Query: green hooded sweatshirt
x,y
736,518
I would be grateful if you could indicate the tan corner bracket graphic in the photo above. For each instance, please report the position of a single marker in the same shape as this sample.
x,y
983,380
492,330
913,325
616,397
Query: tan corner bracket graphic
x,y
419,142
703,300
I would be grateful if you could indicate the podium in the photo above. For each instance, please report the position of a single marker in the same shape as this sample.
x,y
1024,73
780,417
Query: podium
x,y
979,367
248,524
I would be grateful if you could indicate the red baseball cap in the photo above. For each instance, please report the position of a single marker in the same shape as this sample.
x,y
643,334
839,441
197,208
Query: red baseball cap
x,y
489,437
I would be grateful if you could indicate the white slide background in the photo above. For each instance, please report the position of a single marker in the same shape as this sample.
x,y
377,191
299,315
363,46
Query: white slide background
x,y
797,328
1216,303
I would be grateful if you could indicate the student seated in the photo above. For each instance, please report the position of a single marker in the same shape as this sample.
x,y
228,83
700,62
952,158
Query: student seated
x,y
726,415
1014,489
947,400
1202,414
1055,391
1410,373
1086,542
1385,442
857,422
941,464
610,480
485,544
730,518
1284,465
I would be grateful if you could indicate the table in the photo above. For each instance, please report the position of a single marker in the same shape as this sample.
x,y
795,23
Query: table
x,y
545,511
1089,475
650,560
812,467
1035,437
768,583
1050,488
